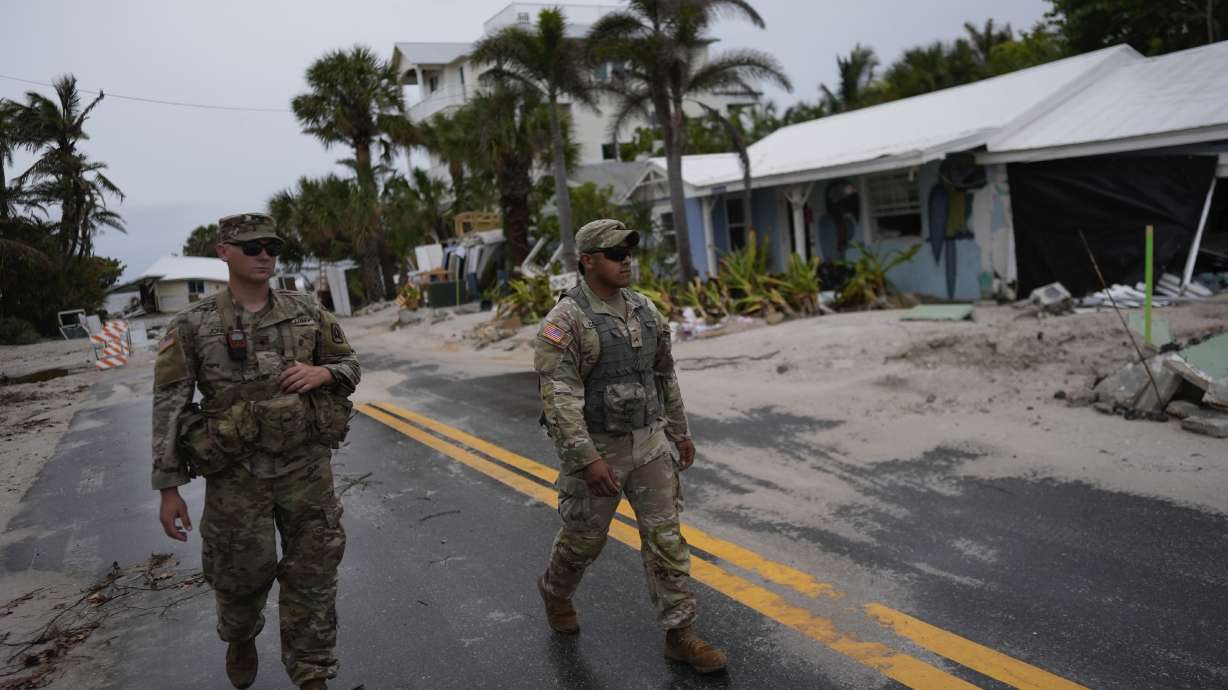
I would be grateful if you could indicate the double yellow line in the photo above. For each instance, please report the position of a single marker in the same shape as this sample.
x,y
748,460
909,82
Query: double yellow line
x,y
507,467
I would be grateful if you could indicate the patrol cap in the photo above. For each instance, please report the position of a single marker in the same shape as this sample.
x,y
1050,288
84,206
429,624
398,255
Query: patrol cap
x,y
246,226
603,234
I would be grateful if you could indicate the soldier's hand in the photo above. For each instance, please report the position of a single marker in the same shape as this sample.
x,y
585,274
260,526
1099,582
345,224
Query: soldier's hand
x,y
173,508
302,378
686,453
600,479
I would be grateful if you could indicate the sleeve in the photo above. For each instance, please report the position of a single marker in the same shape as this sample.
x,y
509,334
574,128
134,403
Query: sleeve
x,y
174,385
336,355
676,426
557,361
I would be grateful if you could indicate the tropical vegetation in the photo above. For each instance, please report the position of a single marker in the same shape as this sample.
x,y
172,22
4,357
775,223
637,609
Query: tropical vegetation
x,y
52,212
549,62
658,44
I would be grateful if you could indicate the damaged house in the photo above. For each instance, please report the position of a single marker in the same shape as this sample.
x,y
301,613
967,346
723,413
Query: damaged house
x,y
997,177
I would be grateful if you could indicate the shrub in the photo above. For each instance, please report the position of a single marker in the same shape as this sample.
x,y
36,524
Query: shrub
x,y
869,281
528,298
15,331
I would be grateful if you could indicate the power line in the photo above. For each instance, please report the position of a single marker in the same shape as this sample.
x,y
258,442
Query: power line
x,y
180,104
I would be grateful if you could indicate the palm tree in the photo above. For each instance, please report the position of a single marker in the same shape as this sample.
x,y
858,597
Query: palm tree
x,y
514,135
547,60
62,174
356,101
322,215
984,40
10,141
414,209
856,77
451,138
202,241
660,42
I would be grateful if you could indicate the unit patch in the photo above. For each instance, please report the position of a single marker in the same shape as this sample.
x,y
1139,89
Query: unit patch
x,y
338,336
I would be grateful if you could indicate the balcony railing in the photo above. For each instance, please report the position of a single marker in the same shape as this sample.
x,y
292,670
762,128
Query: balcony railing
x,y
443,99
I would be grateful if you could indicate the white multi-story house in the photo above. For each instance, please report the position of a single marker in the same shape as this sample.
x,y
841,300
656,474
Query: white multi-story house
x,y
446,79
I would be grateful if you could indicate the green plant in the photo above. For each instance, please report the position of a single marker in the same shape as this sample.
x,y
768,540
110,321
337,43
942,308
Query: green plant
x,y
528,298
744,275
800,284
410,297
869,281
663,294
15,331
710,300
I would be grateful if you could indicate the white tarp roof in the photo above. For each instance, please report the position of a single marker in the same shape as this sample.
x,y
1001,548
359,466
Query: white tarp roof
x,y
1180,97
186,268
911,130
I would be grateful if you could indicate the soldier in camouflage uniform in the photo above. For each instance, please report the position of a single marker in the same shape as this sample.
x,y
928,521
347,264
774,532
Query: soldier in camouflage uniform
x,y
613,407
274,370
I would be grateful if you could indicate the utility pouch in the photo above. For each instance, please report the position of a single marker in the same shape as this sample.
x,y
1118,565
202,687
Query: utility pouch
x,y
233,428
283,423
625,407
196,446
330,417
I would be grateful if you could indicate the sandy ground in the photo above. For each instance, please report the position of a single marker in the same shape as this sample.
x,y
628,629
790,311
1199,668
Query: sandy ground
x,y
892,385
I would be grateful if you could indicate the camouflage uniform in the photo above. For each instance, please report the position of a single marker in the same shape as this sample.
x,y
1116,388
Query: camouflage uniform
x,y
567,351
278,482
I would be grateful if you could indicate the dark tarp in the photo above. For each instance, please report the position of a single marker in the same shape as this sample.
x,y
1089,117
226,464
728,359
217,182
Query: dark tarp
x,y
1111,199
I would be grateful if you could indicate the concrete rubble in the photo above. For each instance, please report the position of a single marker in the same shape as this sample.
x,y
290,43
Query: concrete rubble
x,y
1190,384
1053,298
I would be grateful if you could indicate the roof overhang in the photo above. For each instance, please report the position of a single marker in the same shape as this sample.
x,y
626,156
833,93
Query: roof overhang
x,y
1146,142
409,58
896,161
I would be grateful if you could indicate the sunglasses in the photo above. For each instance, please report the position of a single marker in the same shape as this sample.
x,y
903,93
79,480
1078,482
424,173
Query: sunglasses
x,y
253,247
614,253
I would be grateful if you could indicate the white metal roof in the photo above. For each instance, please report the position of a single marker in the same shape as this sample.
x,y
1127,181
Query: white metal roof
x,y
186,268
406,55
1179,96
911,130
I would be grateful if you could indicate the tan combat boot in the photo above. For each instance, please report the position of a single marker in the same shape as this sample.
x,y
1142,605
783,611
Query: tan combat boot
x,y
314,684
683,645
242,663
560,614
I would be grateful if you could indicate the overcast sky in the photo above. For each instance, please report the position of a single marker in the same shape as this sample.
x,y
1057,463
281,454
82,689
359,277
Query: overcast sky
x,y
182,167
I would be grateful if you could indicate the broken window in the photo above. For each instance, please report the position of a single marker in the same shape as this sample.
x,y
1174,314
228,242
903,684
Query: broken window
x,y
895,206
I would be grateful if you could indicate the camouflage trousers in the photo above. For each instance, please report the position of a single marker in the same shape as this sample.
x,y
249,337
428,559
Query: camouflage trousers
x,y
243,517
654,493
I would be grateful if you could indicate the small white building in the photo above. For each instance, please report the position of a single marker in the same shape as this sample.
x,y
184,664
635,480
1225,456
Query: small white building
x,y
446,79
173,283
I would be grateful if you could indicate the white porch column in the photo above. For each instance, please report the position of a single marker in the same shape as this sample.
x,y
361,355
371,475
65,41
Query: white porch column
x,y
709,240
797,196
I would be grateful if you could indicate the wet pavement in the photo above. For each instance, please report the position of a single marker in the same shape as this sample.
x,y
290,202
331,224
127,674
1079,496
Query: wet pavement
x,y
1101,588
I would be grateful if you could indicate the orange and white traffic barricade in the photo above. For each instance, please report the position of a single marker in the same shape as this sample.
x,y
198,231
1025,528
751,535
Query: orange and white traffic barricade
x,y
112,345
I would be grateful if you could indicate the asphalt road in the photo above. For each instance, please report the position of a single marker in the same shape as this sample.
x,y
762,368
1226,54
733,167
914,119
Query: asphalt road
x,y
1099,589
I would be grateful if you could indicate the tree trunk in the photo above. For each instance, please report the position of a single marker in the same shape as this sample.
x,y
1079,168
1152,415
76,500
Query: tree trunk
x,y
388,266
677,196
372,244
562,195
514,188
372,286
460,203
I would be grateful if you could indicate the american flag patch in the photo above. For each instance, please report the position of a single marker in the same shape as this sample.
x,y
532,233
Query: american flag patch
x,y
554,335
167,341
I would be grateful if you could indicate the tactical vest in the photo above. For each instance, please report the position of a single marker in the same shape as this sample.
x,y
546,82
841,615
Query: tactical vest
x,y
620,393
256,416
